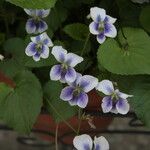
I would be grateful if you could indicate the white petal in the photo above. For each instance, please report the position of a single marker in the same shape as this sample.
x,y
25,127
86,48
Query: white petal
x,y
101,143
107,104
110,19
42,13
122,95
73,59
105,87
59,53
97,14
45,52
31,49
55,73
87,83
94,28
80,142
36,39
30,12
110,31
122,106
30,26
36,57
101,38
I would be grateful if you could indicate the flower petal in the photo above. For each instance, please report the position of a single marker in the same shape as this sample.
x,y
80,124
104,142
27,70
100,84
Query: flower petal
x,y
67,93
73,59
30,12
46,40
97,14
30,26
41,26
73,102
70,75
83,142
105,87
36,57
82,100
110,30
110,19
94,28
31,49
55,73
42,13
101,38
107,104
101,143
36,39
87,83
122,95
122,106
59,53
45,52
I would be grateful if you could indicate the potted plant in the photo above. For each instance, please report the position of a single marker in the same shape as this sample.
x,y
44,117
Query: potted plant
x,y
72,57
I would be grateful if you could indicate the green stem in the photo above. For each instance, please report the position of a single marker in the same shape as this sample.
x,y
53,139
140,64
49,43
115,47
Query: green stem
x,y
85,44
61,116
56,137
80,120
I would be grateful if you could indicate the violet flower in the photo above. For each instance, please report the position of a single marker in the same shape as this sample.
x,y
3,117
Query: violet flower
x,y
76,92
35,24
64,71
102,24
115,101
39,47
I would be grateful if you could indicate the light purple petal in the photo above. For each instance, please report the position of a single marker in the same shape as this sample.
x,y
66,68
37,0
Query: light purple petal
x,y
107,104
30,12
67,93
122,106
87,83
101,143
59,53
110,19
31,49
101,38
105,87
73,102
122,95
55,73
94,28
110,30
82,100
42,13
45,52
83,142
30,26
36,57
70,75
97,14
36,39
41,26
73,59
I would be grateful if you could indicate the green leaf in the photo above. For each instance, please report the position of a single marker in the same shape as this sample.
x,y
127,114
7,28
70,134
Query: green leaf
x,y
22,105
141,101
77,31
129,57
34,4
55,105
145,18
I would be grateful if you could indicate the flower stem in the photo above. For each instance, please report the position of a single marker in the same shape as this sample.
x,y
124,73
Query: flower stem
x,y
61,116
80,120
56,137
85,44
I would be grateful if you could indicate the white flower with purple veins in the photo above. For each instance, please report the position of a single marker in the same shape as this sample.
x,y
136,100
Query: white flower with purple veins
x,y
39,47
85,142
115,101
102,24
64,72
35,24
76,92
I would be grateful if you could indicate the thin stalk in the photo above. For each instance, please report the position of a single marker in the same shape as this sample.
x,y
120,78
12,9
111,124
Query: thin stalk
x,y
56,137
80,120
61,117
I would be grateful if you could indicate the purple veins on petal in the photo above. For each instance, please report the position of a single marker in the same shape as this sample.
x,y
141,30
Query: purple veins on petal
x,y
94,28
67,93
70,75
31,49
101,38
36,57
107,104
45,52
41,26
82,99
30,26
55,73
